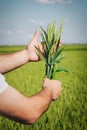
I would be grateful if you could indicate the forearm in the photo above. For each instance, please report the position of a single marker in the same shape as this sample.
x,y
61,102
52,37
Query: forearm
x,y
26,110
13,60
39,104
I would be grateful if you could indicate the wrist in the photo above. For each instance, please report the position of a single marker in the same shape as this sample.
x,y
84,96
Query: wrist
x,y
24,57
29,55
48,93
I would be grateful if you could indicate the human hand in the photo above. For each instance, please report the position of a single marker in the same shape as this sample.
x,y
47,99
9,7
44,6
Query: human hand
x,y
32,53
31,50
54,87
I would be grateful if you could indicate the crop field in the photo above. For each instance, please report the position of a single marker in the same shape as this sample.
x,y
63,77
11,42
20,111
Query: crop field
x,y
67,113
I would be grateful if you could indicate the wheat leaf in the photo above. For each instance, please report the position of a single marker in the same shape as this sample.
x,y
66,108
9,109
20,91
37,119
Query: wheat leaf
x,y
40,54
45,38
42,36
59,31
43,30
61,69
52,42
57,53
58,42
53,29
58,60
49,32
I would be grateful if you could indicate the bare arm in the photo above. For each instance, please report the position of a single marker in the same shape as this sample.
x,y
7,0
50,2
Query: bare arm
x,y
13,60
27,110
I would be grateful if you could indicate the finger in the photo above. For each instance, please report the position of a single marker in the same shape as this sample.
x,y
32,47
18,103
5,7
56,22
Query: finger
x,y
36,35
40,47
60,44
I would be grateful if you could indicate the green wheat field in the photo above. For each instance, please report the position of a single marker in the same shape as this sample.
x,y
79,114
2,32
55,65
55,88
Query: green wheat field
x,y
67,113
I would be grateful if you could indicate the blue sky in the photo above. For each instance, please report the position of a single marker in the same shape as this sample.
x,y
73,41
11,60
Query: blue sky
x,y
20,18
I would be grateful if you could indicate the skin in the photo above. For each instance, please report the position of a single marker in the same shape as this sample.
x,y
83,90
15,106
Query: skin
x,y
16,106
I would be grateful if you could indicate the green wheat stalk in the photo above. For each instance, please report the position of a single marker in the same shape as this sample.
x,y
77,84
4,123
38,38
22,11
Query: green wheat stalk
x,y
51,39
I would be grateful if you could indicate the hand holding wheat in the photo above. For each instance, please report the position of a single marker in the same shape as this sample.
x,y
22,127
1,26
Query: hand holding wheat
x,y
53,87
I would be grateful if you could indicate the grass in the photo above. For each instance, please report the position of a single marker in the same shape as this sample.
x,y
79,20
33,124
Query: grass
x,y
67,113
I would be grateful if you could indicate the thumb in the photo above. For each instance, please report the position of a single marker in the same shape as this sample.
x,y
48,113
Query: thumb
x,y
35,37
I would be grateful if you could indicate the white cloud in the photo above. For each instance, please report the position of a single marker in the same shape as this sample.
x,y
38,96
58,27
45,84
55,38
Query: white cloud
x,y
54,1
41,23
20,32
7,32
33,21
